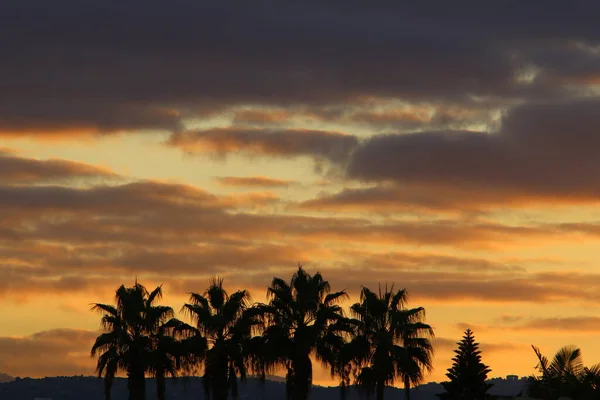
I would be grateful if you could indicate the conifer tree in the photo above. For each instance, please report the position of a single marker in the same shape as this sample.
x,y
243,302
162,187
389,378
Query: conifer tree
x,y
467,374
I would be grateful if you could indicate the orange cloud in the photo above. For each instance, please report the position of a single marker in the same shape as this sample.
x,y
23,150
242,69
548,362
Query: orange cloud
x,y
16,169
253,181
577,324
58,352
57,238
257,116
431,199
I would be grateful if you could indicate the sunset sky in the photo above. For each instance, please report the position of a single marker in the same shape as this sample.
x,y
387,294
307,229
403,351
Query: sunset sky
x,y
450,148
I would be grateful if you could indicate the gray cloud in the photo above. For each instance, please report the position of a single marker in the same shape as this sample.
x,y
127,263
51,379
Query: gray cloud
x,y
542,152
57,352
16,169
280,143
161,61
106,198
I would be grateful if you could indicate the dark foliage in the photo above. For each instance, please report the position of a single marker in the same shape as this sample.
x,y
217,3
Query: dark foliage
x,y
231,338
389,342
223,331
564,376
302,318
468,373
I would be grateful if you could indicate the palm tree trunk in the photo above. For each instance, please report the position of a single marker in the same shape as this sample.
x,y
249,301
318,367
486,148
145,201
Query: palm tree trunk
x,y
219,381
406,388
343,391
132,388
302,378
289,384
219,392
108,380
380,389
160,385
136,384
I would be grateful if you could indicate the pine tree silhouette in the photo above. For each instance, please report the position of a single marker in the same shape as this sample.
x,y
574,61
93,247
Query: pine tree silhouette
x,y
467,374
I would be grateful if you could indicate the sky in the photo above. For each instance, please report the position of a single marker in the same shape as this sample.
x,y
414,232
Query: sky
x,y
449,148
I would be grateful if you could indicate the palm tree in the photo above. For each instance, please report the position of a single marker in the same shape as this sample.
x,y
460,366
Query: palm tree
x,y
302,318
565,375
223,326
395,341
343,365
126,343
108,365
168,355
590,381
419,352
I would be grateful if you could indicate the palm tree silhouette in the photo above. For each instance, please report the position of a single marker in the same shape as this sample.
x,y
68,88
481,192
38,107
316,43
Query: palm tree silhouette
x,y
344,361
302,318
565,375
223,326
392,341
168,354
108,364
127,343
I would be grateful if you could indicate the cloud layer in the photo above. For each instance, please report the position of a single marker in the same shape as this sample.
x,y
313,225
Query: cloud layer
x,y
455,152
161,62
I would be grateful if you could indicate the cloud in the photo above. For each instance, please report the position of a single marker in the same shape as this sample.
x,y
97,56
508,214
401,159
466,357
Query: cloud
x,y
66,239
509,167
579,324
429,261
447,344
198,58
150,211
16,169
247,116
428,286
253,181
106,198
58,352
398,199
280,143
570,324
464,287
510,318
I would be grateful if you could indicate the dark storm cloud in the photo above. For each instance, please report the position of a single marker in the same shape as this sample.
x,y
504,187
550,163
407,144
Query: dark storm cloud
x,y
111,66
542,152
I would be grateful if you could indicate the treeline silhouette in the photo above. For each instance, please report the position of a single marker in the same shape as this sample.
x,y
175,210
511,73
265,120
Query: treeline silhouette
x,y
184,388
229,338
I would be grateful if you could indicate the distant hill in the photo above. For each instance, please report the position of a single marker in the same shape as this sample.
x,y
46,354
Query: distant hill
x,y
90,388
5,378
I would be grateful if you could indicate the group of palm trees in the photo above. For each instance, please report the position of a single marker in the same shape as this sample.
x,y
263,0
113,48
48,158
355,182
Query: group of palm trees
x,y
229,337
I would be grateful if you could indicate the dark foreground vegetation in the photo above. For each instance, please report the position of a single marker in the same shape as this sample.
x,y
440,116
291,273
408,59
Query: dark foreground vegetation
x,y
229,338
90,388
